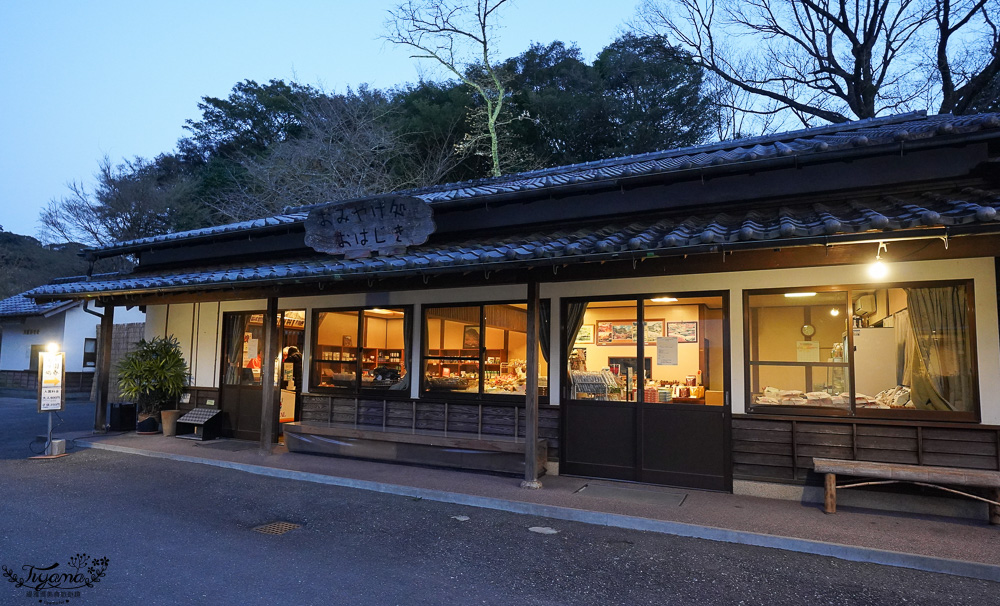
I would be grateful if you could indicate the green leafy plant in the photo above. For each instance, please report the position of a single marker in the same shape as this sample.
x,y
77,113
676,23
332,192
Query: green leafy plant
x,y
154,375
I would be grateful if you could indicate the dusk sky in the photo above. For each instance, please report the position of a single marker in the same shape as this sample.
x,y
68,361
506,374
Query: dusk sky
x,y
118,77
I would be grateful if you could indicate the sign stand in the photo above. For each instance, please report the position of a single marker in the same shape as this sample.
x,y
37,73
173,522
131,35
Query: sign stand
x,y
52,396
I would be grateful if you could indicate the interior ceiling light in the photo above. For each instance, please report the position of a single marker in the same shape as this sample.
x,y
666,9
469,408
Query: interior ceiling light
x,y
378,310
878,269
664,300
835,312
792,295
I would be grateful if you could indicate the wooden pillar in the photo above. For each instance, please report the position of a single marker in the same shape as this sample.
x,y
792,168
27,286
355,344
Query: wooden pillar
x,y
531,393
269,387
104,370
830,496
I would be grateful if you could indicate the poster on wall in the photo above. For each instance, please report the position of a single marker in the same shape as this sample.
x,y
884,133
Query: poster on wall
x,y
585,336
470,337
666,351
625,332
686,332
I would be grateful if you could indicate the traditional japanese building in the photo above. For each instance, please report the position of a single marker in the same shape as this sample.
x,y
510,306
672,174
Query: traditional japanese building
x,y
695,317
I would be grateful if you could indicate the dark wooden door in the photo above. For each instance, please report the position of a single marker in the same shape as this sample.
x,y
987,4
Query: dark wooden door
x,y
684,445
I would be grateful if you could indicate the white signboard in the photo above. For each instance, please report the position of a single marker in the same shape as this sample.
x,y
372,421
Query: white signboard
x,y
51,366
807,351
666,351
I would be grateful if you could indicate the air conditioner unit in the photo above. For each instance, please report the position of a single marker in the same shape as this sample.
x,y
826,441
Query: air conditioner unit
x,y
864,305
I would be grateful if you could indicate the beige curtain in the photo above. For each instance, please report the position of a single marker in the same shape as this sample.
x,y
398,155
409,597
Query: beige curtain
x,y
941,362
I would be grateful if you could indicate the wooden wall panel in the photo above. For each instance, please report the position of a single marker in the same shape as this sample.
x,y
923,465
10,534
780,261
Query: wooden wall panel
x,y
462,417
782,448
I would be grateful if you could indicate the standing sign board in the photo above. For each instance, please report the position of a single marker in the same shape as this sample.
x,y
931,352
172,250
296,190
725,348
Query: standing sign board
x,y
51,381
357,228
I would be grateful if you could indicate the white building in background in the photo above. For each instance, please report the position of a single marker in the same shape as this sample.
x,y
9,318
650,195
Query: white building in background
x,y
26,327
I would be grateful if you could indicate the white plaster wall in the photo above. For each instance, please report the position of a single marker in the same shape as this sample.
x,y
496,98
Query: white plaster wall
x,y
15,349
981,271
79,325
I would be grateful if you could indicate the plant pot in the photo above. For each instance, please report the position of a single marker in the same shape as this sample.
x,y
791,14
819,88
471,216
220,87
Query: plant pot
x,y
169,420
147,426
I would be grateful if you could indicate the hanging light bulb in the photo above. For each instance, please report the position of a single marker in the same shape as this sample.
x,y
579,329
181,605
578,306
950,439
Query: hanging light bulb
x,y
879,269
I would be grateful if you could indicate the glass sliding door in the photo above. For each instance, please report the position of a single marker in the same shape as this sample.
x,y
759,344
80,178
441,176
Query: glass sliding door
x,y
646,389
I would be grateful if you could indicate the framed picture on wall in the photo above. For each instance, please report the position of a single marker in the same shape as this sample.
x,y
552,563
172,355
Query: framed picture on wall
x,y
654,328
686,332
616,332
470,337
585,336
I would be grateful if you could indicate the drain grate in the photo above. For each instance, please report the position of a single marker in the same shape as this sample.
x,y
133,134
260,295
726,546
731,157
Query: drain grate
x,y
277,528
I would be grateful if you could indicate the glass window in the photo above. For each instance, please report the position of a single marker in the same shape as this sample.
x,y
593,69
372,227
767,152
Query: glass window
x,y
909,349
680,348
360,349
798,349
89,353
479,349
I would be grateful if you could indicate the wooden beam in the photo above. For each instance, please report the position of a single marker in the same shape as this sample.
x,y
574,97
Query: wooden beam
x,y
531,392
268,409
104,370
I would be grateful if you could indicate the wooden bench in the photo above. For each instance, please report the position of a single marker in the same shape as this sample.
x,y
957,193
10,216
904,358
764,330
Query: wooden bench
x,y
921,475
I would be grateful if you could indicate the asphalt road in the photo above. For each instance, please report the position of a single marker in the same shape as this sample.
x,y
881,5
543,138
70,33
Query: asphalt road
x,y
181,533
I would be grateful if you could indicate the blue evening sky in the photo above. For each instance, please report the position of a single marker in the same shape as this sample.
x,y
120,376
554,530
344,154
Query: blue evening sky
x,y
82,80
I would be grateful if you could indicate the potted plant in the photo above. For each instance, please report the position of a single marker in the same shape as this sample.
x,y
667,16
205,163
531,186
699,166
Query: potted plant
x,y
154,375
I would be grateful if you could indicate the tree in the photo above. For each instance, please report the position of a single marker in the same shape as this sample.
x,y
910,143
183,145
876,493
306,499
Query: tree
x,y
557,92
836,60
459,38
248,121
640,95
345,147
432,121
135,199
654,93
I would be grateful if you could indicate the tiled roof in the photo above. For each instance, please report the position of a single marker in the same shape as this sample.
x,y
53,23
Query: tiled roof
x,y
847,137
20,306
968,210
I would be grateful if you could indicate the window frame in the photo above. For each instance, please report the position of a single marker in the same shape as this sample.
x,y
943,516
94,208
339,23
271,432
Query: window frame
x,y
855,412
358,388
89,357
644,350
481,394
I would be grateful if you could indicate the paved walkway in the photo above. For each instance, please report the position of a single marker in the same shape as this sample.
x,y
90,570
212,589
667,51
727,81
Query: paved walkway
x,y
948,545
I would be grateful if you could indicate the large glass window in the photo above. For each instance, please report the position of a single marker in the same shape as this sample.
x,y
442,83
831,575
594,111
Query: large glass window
x,y
479,349
891,350
360,349
680,348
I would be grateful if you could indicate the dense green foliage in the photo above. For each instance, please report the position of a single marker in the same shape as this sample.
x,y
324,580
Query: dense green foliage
x,y
154,374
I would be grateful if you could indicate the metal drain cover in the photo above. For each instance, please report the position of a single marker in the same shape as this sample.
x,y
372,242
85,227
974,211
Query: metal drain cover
x,y
277,528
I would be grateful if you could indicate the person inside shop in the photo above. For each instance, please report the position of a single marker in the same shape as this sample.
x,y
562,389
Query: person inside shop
x,y
294,358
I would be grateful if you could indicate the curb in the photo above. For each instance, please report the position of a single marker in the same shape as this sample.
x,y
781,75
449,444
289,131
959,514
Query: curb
x,y
962,568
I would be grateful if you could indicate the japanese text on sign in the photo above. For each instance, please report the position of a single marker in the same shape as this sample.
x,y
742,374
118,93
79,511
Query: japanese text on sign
x,y
50,384
386,225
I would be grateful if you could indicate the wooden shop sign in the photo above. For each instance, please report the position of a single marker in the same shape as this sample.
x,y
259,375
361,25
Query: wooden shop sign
x,y
357,228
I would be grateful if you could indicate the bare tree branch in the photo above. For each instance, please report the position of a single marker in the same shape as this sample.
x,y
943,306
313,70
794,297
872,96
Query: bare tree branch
x,y
838,60
458,37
